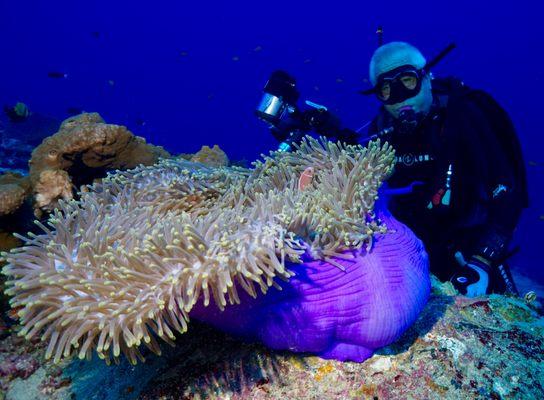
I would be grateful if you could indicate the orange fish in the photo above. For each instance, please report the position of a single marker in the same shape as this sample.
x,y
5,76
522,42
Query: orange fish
x,y
306,178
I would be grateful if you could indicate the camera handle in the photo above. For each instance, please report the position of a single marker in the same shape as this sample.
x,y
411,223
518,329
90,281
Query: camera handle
x,y
296,133
383,132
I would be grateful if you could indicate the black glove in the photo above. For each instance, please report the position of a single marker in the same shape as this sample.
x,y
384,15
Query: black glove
x,y
494,245
348,136
320,120
327,124
279,135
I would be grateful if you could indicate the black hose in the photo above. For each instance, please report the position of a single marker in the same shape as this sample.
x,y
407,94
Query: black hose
x,y
439,57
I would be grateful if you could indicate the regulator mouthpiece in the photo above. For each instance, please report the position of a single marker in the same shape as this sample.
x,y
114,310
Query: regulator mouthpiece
x,y
407,120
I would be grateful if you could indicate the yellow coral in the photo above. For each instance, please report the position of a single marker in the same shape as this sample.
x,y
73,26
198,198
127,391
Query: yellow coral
x,y
127,262
212,157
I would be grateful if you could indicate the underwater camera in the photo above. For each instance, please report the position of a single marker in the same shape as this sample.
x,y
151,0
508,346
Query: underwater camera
x,y
279,98
288,123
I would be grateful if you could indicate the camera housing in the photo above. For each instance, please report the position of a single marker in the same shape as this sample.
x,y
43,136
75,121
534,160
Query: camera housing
x,y
288,123
279,98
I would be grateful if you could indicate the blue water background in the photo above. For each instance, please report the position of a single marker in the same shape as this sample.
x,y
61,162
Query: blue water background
x,y
194,71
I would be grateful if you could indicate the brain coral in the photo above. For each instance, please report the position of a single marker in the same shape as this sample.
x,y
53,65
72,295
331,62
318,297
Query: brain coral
x,y
145,249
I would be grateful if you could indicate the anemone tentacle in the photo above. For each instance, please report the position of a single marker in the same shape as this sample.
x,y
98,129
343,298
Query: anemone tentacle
x,y
128,261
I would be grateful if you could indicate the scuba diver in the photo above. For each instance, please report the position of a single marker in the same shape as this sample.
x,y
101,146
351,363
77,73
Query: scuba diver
x,y
460,164
459,178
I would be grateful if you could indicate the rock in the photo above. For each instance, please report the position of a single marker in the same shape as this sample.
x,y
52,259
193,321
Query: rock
x,y
14,188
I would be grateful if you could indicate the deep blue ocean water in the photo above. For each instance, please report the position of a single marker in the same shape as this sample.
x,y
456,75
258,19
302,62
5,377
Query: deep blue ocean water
x,y
184,74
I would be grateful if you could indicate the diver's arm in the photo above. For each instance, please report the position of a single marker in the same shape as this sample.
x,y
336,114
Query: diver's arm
x,y
327,124
483,177
347,135
500,196
290,128
505,201
279,135
503,216
491,249
321,121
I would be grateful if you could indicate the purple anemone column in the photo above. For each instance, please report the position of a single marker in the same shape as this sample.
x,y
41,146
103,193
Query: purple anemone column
x,y
337,314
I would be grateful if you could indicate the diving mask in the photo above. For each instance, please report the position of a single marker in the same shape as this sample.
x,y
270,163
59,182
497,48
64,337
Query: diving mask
x,y
399,84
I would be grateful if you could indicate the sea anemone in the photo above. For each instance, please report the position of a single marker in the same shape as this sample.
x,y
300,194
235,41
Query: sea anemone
x,y
127,262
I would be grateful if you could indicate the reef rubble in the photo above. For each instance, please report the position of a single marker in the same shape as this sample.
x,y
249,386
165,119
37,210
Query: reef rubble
x,y
481,348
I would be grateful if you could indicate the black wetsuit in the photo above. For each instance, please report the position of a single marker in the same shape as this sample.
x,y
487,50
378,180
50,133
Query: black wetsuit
x,y
468,130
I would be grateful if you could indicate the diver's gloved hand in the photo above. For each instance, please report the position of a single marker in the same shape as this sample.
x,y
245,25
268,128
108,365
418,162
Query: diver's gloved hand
x,y
279,135
326,123
472,277
322,121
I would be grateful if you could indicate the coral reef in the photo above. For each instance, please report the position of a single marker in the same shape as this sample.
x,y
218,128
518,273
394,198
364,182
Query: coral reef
x,y
83,142
14,192
15,366
7,242
130,260
14,188
211,157
459,348
83,149
23,374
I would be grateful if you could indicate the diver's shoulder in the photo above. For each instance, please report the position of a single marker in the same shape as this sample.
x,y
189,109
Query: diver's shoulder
x,y
453,92
450,86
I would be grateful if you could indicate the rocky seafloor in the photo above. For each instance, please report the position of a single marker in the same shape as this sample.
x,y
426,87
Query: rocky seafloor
x,y
459,348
